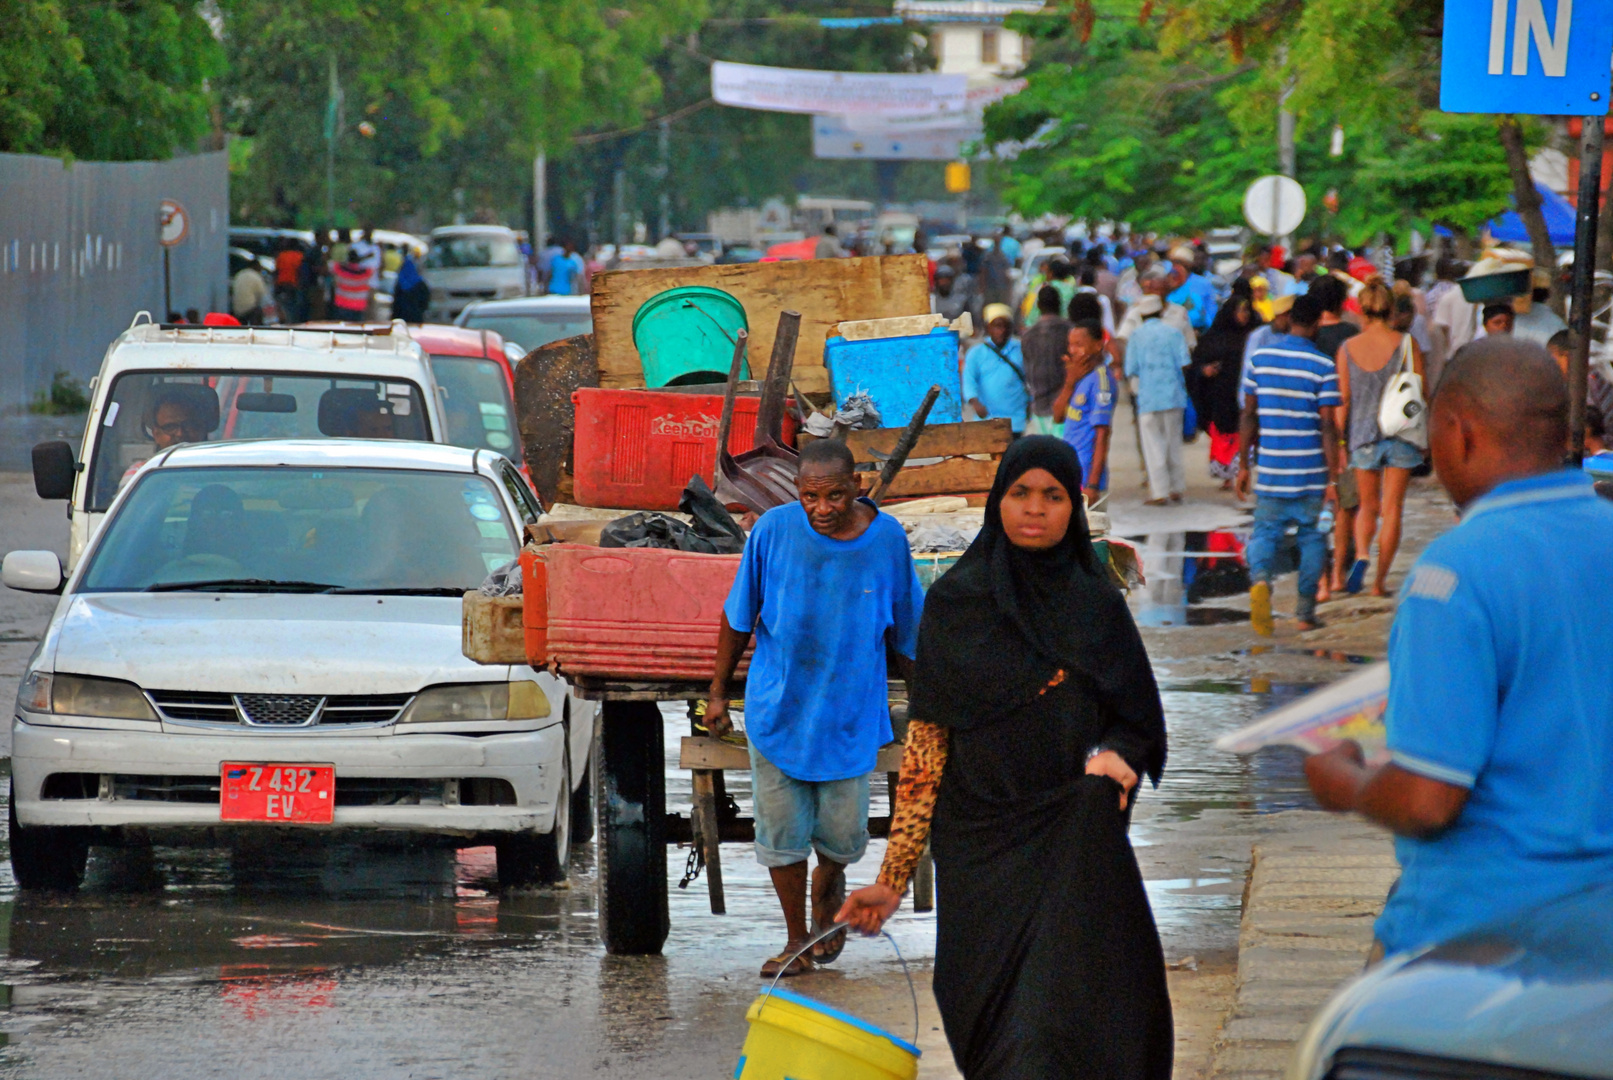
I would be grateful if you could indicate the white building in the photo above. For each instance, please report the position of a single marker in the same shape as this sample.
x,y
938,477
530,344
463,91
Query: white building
x,y
968,36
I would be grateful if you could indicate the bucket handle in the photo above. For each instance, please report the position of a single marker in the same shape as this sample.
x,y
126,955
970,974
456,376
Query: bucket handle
x,y
834,928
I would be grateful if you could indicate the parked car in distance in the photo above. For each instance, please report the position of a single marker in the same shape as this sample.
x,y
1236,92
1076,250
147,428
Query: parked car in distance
x,y
1528,1000
466,263
163,385
531,321
267,635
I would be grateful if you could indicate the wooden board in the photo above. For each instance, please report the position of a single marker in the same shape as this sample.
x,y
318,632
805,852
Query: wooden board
x,y
936,440
544,381
824,291
704,752
954,476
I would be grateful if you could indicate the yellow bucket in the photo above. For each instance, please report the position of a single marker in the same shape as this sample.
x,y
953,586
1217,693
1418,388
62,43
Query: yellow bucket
x,y
795,1038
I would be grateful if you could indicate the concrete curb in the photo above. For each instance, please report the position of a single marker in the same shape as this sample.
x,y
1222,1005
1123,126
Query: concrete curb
x,y
1313,891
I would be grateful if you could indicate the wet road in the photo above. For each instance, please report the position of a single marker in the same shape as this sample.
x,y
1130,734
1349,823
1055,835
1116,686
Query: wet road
x,y
355,964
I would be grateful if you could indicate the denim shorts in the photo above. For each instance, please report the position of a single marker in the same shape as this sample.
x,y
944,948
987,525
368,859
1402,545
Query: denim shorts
x,y
1386,453
795,817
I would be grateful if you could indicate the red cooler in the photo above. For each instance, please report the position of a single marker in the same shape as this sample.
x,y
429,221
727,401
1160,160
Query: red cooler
x,y
637,449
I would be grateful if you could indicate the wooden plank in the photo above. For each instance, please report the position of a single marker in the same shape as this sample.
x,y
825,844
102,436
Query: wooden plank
x,y
824,291
705,752
708,833
544,381
954,476
937,440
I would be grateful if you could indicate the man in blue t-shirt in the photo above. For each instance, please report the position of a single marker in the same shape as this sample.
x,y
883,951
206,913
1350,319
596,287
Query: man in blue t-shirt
x,y
827,586
1291,392
994,371
1086,405
567,272
1500,720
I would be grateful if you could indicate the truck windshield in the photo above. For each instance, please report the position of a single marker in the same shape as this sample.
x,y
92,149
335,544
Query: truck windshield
x,y
463,252
149,411
477,409
290,529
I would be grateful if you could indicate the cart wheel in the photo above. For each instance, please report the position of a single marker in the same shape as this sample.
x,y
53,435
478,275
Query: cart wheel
x,y
630,793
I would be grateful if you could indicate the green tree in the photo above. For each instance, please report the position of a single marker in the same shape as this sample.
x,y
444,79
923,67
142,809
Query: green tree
x,y
459,97
104,81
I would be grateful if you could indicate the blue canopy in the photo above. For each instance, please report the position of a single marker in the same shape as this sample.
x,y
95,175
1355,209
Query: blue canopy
x,y
1559,214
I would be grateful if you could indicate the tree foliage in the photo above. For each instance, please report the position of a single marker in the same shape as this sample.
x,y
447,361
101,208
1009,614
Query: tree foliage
x,y
114,82
1162,114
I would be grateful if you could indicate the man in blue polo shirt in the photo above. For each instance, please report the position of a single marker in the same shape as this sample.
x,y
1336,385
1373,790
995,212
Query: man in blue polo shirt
x,y
1500,718
1290,393
1086,405
827,586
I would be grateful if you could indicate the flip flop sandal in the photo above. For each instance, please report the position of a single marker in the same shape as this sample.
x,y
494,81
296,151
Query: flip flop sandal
x,y
1358,577
824,911
800,965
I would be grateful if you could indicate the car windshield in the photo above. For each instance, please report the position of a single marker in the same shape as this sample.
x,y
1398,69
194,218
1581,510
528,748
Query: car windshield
x,y
292,529
535,329
457,252
149,411
477,410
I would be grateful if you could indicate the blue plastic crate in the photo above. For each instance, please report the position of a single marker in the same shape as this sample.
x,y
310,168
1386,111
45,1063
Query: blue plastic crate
x,y
897,372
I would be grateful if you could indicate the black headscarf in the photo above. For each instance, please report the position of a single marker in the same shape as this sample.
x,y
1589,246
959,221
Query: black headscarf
x,y
1001,623
1215,397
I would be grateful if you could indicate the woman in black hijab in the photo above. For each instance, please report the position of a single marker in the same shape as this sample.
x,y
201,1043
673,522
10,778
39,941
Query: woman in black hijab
x,y
1034,713
1214,377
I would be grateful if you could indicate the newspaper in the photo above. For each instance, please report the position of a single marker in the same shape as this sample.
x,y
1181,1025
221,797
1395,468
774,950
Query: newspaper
x,y
1351,708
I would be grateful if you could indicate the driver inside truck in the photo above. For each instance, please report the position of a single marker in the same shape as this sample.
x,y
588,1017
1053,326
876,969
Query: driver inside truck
x,y
173,418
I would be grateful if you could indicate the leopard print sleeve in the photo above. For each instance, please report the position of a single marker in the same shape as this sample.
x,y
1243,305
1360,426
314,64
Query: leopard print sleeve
x,y
916,789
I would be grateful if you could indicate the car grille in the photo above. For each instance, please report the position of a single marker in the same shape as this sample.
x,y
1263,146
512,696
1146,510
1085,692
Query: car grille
x,y
1368,1063
350,790
277,710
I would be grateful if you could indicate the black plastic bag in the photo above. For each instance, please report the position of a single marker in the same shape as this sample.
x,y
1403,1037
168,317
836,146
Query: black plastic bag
x,y
712,532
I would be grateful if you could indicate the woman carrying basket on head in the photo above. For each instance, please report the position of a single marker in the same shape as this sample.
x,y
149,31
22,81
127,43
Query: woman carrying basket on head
x,y
1035,713
1368,364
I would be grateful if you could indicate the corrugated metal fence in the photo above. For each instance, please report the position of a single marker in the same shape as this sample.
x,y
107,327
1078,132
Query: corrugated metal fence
x,y
79,256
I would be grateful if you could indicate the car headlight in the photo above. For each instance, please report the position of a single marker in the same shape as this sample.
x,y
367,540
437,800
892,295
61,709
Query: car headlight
x,y
83,695
522,700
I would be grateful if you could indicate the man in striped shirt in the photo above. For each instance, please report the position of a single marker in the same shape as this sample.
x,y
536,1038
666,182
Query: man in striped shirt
x,y
1291,392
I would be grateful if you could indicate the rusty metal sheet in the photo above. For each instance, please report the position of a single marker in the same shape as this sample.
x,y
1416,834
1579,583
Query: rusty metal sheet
x,y
544,381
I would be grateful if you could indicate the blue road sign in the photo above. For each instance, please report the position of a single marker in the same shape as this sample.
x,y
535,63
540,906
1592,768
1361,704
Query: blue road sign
x,y
1537,57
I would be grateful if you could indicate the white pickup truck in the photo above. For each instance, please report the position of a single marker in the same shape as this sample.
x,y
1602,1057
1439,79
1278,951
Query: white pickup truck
x,y
160,386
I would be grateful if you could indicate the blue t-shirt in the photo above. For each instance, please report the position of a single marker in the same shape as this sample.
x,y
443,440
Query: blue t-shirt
x,y
816,699
1499,684
1197,295
998,380
1292,382
1092,406
565,274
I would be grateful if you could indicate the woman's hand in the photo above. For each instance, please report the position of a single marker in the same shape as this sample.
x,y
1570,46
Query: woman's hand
x,y
1110,764
869,907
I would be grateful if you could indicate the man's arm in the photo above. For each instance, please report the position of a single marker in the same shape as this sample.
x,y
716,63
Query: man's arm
x,y
1061,403
1396,798
1330,443
731,646
1248,436
1100,460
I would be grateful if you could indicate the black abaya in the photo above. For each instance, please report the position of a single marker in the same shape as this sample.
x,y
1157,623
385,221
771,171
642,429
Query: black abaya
x,y
1048,963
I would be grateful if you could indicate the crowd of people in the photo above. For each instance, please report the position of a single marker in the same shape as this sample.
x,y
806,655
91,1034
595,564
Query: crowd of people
x,y
1283,364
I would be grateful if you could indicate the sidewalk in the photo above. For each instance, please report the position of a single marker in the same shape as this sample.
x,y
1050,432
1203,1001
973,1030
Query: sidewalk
x,y
1314,889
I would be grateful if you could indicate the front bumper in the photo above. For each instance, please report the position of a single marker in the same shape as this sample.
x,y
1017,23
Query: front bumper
x,y
531,762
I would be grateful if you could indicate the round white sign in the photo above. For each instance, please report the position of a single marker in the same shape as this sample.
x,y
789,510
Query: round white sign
x,y
1274,205
173,224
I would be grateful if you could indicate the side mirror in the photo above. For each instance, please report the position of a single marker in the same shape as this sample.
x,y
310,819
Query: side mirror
x,y
54,470
33,571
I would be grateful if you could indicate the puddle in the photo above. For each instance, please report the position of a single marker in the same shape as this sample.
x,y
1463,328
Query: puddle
x,y
1319,654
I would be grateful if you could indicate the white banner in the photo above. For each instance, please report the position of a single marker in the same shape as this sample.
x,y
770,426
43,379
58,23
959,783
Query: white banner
x,y
977,98
846,93
833,138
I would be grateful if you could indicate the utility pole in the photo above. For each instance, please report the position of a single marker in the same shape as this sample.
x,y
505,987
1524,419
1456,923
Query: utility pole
x,y
619,208
1285,149
333,118
663,172
540,202
1579,313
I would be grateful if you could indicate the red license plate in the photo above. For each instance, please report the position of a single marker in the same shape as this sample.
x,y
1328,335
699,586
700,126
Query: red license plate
x,y
275,792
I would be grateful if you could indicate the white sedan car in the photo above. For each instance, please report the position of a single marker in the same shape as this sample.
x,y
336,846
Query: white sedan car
x,y
266,635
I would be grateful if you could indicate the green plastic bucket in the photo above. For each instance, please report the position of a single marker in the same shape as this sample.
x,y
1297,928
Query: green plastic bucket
x,y
686,335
